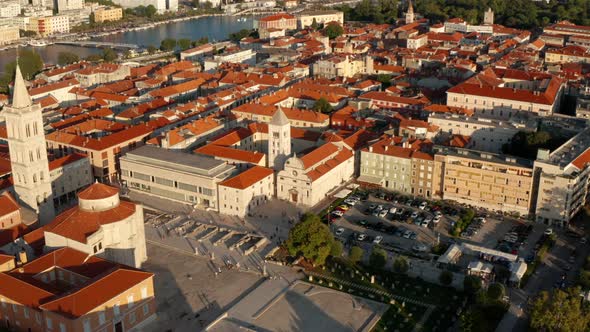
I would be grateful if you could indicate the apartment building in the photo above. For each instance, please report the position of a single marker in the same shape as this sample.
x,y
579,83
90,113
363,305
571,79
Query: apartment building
x,y
10,9
104,14
398,164
246,56
175,175
306,18
564,180
67,290
238,195
491,96
343,66
568,54
9,34
490,181
281,21
102,73
485,134
298,118
49,25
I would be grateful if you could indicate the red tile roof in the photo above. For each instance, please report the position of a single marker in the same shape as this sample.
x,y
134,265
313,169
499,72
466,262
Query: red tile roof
x,y
248,177
98,191
583,159
84,300
230,153
318,155
60,162
8,204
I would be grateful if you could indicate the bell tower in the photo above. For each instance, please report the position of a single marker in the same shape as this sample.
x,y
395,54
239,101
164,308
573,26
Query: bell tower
x,y
410,13
279,140
28,152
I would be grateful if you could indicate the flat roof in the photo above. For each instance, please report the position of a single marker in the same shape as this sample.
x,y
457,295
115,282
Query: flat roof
x,y
177,160
507,160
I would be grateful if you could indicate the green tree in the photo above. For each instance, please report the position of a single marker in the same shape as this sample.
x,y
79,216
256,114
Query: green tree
x,y
401,265
30,64
128,54
150,11
237,36
168,44
471,284
184,43
66,58
108,55
495,291
333,30
466,321
151,49
584,279
378,258
337,248
200,41
445,278
311,239
94,58
314,25
322,105
559,310
27,33
384,79
356,254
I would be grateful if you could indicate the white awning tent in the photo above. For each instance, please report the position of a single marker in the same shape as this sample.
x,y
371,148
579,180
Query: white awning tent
x,y
517,271
342,193
369,179
480,267
451,255
489,252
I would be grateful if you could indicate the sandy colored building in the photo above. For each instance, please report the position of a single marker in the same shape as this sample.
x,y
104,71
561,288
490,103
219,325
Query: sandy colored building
x,y
491,96
306,18
343,66
108,14
93,295
101,224
175,175
491,181
9,35
564,180
568,54
49,25
238,195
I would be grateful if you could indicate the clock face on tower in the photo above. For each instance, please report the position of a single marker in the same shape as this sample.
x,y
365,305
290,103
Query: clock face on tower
x,y
294,173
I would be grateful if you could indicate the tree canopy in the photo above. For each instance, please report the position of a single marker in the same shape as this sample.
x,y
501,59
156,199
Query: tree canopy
x,y
108,55
311,239
356,254
184,43
333,30
381,11
168,44
472,284
378,258
495,291
445,277
322,105
66,58
400,265
559,310
30,64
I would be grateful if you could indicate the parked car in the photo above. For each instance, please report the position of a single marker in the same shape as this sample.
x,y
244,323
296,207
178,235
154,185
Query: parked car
x,y
413,236
419,247
407,234
339,231
393,210
379,207
400,212
343,207
362,237
337,213
414,215
548,231
372,206
436,219
423,205
382,213
378,239
425,222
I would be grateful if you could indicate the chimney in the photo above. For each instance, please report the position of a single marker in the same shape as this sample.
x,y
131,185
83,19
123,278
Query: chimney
x,y
22,257
370,149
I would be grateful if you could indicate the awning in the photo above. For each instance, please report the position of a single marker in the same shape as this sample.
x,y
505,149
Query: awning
x,y
342,193
450,255
369,179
